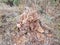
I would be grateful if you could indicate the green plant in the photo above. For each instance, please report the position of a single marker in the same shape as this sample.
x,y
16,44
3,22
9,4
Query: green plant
x,y
16,2
53,2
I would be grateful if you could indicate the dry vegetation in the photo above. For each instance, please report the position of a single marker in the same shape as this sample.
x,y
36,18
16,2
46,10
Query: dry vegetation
x,y
30,30
30,22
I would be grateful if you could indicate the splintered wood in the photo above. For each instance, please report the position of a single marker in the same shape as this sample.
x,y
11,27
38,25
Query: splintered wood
x,y
30,30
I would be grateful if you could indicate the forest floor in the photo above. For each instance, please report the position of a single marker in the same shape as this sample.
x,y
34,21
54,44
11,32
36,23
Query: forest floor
x,y
49,12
